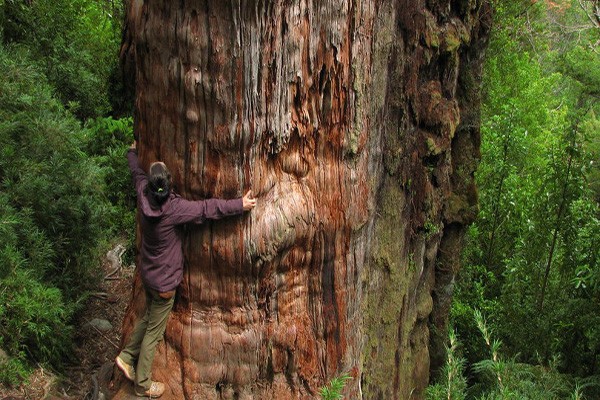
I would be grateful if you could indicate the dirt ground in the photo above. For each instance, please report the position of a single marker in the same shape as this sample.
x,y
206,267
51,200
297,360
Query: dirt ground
x,y
93,347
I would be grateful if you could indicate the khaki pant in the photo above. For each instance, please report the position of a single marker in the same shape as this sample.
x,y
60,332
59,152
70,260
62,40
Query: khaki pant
x,y
148,331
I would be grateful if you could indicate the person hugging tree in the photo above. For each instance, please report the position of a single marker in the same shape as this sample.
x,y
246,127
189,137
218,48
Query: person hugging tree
x,y
161,261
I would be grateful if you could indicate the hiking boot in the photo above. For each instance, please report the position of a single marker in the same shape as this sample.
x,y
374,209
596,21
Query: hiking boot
x,y
127,369
156,390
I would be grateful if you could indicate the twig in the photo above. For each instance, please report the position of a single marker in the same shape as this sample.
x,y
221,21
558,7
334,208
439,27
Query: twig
x,y
112,278
111,273
100,295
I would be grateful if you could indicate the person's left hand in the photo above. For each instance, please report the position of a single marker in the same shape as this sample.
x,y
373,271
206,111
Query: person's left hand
x,y
248,201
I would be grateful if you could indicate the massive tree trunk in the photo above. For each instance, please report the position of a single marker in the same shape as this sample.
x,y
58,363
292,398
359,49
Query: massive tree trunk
x,y
355,123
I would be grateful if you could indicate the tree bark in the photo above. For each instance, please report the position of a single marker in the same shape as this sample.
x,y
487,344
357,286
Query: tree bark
x,y
356,125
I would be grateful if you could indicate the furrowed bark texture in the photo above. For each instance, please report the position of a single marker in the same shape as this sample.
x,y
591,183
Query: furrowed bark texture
x,y
356,126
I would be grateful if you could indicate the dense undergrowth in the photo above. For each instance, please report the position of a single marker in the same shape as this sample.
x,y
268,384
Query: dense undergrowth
x,y
531,264
64,192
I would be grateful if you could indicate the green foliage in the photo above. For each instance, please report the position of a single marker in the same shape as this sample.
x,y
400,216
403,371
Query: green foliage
x,y
334,389
64,188
501,378
75,43
13,371
454,384
105,141
476,290
589,129
508,379
35,318
51,187
52,210
531,261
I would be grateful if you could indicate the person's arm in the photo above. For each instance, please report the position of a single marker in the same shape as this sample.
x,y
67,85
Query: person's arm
x,y
198,211
138,175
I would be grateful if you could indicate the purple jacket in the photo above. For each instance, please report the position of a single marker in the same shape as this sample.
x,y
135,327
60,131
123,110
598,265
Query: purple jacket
x,y
161,254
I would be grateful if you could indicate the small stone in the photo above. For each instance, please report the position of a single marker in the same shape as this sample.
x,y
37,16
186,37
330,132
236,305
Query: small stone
x,y
100,324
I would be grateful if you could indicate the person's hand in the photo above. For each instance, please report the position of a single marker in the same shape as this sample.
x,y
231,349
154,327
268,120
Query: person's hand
x,y
133,145
248,201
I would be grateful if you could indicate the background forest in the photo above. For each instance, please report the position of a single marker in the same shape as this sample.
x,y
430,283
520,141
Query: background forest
x,y
525,319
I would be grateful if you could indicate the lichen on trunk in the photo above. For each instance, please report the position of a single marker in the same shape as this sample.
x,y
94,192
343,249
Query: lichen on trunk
x,y
347,120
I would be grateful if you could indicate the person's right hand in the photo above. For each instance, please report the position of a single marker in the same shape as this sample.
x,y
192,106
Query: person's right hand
x,y
248,201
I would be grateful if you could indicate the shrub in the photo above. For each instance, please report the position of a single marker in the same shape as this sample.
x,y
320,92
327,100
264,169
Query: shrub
x,y
52,210
105,141
453,384
35,319
52,188
501,378
74,42
14,370
61,185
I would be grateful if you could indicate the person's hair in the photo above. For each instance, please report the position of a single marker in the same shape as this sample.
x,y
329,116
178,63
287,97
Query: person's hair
x,y
159,182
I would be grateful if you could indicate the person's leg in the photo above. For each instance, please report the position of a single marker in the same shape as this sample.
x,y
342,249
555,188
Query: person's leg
x,y
158,316
130,353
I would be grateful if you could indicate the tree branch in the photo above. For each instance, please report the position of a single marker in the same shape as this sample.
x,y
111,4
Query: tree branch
x,y
594,16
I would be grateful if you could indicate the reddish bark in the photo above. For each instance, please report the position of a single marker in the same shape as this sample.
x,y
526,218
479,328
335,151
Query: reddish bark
x,y
356,126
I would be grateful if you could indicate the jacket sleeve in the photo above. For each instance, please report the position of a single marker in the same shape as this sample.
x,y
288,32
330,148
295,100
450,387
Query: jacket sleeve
x,y
186,211
138,175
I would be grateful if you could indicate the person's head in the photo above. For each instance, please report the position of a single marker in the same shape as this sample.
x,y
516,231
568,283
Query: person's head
x,y
159,182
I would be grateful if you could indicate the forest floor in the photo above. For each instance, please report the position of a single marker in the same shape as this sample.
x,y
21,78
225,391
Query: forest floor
x,y
93,348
